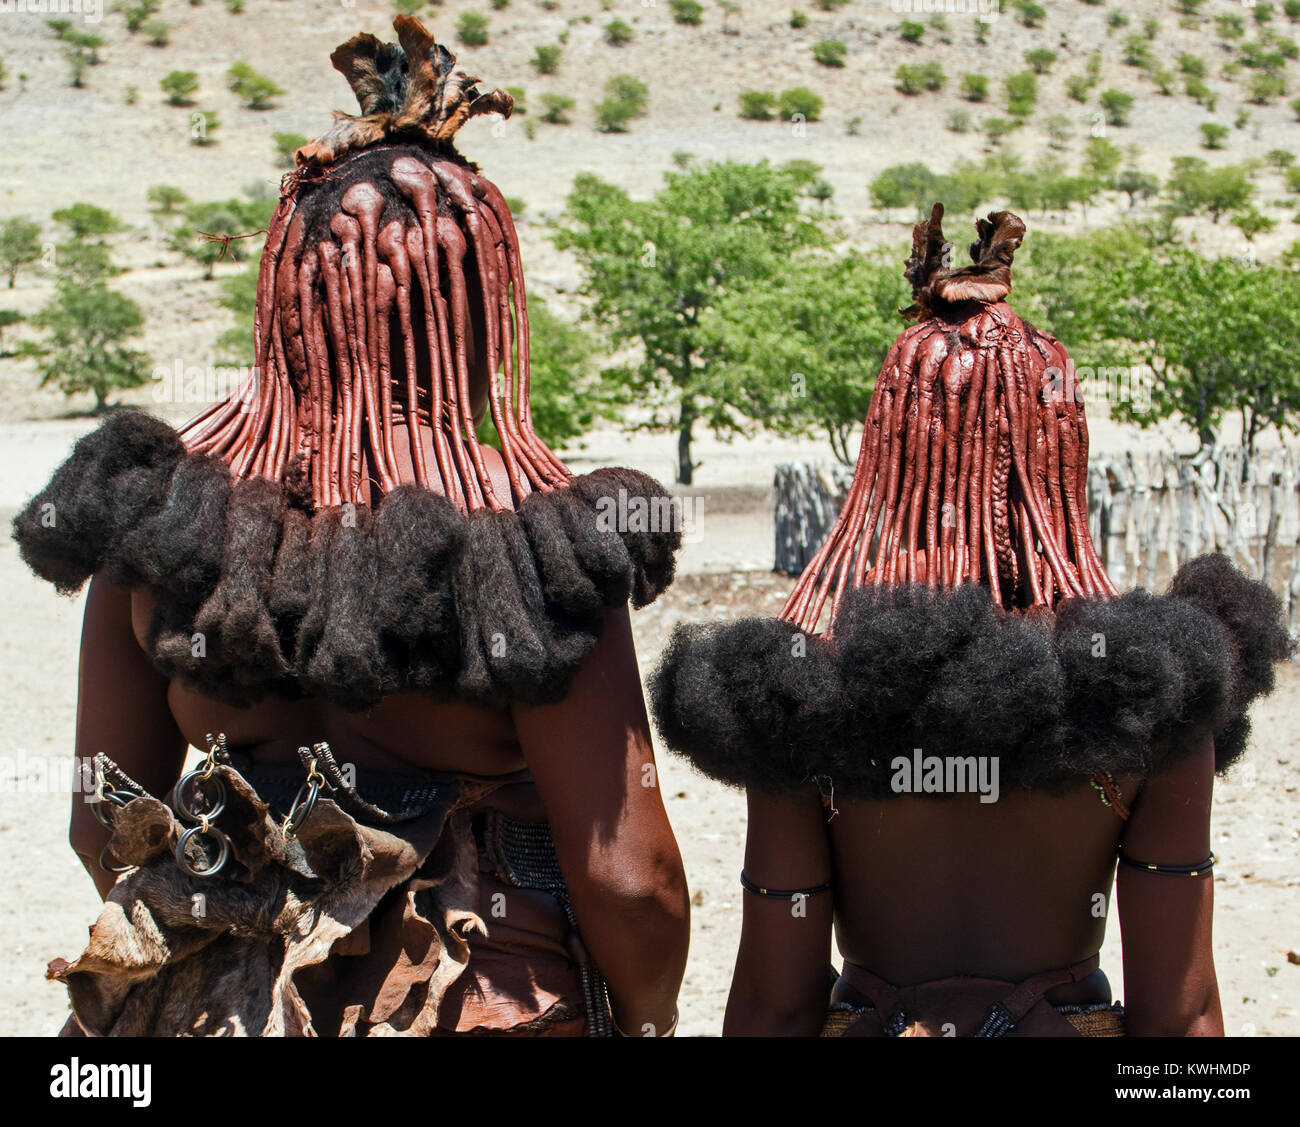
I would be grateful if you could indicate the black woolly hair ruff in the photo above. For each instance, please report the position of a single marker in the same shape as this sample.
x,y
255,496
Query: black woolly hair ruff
x,y
256,597
751,703
115,474
1127,685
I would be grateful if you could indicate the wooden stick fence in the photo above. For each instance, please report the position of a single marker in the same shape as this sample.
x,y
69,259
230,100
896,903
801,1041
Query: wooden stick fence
x,y
1150,512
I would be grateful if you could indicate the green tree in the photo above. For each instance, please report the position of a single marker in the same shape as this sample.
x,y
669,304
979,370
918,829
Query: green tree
x,y
1213,135
86,328
1040,59
255,89
1136,185
910,31
1101,159
20,243
905,185
220,230
165,200
1195,187
626,97
180,87
800,352
654,268
87,220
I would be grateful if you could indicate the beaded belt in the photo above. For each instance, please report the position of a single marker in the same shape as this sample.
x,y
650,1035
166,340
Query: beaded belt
x,y
525,857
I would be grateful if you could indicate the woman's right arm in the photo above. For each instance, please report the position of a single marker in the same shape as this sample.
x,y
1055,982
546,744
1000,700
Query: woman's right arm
x,y
121,711
593,763
1170,989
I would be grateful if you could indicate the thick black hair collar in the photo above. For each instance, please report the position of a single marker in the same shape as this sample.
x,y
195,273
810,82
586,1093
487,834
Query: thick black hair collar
x,y
1122,685
351,604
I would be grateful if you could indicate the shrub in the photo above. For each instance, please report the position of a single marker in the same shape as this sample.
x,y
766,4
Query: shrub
x,y
1137,53
180,86
1265,87
1230,26
1029,13
910,31
1213,135
618,33
556,108
1078,87
1200,93
156,32
797,18
1040,60
995,128
799,101
975,87
472,29
757,105
546,58
1022,92
626,97
1118,105
830,52
255,89
687,11
912,79
958,121
164,199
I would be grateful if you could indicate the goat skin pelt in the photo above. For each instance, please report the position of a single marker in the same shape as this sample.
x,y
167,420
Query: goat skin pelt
x,y
1125,685
256,597
344,929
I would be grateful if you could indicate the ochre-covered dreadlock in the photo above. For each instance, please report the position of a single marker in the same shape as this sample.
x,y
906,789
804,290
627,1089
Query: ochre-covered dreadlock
x,y
974,458
390,262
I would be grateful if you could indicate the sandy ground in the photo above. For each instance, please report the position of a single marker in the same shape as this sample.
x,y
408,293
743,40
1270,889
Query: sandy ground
x,y
48,900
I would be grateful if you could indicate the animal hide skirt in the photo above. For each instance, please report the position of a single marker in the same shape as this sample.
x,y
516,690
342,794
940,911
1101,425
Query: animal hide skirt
x,y
453,921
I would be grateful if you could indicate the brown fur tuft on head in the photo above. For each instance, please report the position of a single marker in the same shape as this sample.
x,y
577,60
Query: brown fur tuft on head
x,y
408,91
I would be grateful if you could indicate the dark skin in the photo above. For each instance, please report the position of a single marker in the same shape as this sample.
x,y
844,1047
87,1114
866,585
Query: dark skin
x,y
1010,889
590,758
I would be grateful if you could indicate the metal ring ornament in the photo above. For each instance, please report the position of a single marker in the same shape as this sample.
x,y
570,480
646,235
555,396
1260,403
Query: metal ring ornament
x,y
115,799
302,807
112,868
183,807
223,850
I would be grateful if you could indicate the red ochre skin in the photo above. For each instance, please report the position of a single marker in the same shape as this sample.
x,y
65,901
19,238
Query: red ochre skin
x,y
378,350
973,468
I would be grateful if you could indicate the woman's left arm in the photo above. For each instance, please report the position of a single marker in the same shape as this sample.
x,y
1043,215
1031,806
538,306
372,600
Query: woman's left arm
x,y
121,711
781,983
